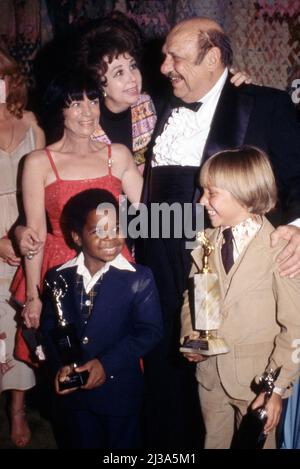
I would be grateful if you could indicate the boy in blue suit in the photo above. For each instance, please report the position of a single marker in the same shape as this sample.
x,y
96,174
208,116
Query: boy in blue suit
x,y
115,309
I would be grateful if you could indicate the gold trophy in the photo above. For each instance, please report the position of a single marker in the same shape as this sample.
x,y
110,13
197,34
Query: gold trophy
x,y
206,309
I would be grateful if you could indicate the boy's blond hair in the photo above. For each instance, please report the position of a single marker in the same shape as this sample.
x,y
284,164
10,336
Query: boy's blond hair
x,y
245,172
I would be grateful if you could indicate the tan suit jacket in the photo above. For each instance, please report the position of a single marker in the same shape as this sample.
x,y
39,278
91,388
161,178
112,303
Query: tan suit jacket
x,y
260,317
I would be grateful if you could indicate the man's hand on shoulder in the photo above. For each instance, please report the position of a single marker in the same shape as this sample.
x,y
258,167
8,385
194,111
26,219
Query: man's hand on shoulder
x,y
289,258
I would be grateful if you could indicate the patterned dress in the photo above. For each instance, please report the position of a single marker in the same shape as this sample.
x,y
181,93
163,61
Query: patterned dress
x,y
132,128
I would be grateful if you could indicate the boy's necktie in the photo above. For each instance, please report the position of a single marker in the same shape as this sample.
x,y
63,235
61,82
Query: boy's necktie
x,y
227,249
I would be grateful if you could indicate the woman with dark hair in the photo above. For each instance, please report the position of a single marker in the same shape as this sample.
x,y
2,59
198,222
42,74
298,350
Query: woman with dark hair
x,y
112,48
19,134
70,165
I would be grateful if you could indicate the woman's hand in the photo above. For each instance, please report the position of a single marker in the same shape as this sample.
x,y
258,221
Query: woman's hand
x,y
28,241
239,78
5,367
32,312
7,252
6,363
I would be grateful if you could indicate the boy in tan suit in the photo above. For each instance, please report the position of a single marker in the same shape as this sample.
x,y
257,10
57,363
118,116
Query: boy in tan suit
x,y
259,309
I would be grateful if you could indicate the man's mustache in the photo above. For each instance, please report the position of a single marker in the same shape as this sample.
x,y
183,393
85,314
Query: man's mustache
x,y
174,76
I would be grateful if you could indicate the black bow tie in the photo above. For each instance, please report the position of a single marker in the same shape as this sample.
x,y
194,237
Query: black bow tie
x,y
177,102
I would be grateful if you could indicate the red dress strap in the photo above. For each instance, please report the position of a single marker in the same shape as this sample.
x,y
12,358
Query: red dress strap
x,y
52,163
109,161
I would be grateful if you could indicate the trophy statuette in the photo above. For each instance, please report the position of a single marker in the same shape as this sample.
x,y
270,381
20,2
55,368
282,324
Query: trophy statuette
x,y
206,313
250,434
65,338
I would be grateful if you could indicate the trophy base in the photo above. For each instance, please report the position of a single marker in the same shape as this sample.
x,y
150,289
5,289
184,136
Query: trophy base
x,y
67,344
74,380
250,434
205,346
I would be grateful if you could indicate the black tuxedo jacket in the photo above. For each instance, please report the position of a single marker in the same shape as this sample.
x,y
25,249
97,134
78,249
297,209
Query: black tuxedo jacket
x,y
253,115
124,325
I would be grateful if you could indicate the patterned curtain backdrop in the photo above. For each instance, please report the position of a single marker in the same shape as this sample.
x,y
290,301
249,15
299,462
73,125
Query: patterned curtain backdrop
x,y
154,17
265,33
20,30
266,39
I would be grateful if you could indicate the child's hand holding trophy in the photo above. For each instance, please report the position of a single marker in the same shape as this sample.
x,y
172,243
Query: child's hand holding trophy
x,y
66,341
204,340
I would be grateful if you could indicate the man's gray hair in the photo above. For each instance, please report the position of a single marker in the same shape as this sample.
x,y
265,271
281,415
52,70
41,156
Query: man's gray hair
x,y
214,38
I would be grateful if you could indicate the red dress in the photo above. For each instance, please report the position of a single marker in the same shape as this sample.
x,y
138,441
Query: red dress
x,y
56,250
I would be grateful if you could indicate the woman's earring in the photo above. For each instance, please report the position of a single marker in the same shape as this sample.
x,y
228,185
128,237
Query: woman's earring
x,y
104,94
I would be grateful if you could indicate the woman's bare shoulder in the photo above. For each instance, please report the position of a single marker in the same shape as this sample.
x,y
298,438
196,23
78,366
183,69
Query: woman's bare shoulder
x,y
30,118
101,146
120,150
36,157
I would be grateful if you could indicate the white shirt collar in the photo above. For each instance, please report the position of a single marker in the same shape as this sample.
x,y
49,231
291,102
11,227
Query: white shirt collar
x,y
88,280
243,233
185,133
216,89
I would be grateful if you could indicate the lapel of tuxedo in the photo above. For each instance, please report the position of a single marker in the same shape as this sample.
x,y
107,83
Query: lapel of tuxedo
x,y
229,124
146,193
228,129
230,121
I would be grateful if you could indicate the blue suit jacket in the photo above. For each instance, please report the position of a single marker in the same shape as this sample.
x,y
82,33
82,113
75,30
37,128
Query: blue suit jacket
x,y
124,325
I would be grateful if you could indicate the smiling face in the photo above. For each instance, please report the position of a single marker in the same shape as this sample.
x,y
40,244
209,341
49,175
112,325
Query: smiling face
x,y
187,78
124,83
100,239
222,207
82,117
191,77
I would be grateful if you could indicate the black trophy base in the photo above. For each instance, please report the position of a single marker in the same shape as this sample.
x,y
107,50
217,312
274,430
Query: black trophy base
x,y
74,380
250,434
209,346
67,344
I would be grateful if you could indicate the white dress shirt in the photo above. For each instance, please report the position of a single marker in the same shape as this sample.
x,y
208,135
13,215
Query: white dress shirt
x,y
90,280
184,136
242,234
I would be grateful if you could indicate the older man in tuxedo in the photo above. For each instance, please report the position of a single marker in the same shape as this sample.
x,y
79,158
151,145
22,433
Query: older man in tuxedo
x,y
207,114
